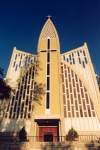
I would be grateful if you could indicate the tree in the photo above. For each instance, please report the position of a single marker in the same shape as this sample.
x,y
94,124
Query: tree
x,y
5,90
23,135
72,134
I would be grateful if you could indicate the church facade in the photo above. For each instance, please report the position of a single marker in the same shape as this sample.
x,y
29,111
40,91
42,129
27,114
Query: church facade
x,y
72,96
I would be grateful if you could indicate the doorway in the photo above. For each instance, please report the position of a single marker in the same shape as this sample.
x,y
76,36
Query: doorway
x,y
48,137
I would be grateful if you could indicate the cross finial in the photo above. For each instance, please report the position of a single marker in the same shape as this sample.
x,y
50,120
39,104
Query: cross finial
x,y
49,16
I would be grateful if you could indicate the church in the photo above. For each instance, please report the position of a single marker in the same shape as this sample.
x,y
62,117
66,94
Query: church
x,y
72,95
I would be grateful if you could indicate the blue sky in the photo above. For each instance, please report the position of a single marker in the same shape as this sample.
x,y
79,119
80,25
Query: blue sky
x,y
76,21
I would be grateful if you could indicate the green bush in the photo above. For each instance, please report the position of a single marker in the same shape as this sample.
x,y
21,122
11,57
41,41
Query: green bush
x,y
72,134
23,135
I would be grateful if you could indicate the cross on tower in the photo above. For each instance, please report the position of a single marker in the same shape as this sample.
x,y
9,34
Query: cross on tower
x,y
49,16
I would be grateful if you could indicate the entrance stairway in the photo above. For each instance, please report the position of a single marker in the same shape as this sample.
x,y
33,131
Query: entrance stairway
x,y
68,145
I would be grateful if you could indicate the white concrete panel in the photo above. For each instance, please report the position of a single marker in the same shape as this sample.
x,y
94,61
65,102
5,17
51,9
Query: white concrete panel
x,y
86,124
98,123
74,123
78,124
95,124
90,123
68,124
82,126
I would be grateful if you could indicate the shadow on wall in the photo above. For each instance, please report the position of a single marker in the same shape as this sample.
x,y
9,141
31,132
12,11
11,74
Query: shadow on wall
x,y
9,125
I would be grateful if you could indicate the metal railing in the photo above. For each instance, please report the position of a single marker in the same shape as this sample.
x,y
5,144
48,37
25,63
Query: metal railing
x,y
49,138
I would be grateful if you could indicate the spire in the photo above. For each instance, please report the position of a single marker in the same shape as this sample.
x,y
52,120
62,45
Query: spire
x,y
48,32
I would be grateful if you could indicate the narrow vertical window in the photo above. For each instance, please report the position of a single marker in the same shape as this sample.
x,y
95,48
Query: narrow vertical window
x,y
84,53
21,57
82,94
73,61
48,46
84,106
79,99
29,105
69,77
61,69
14,63
19,63
48,69
72,73
80,83
81,112
64,57
68,105
76,105
47,100
71,96
83,64
79,60
19,101
48,57
65,115
16,68
48,83
67,93
18,112
17,95
86,97
64,99
73,83
77,87
21,89
85,60
66,83
69,115
68,70
78,53
65,73
12,101
15,106
93,113
63,88
22,107
75,93
70,88
70,57
16,57
89,112
72,111
92,107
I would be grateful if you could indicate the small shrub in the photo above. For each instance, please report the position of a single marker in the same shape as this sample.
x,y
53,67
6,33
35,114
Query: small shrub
x,y
23,135
72,134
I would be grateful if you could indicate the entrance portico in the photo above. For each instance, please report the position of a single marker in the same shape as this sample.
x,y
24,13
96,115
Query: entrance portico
x,y
47,130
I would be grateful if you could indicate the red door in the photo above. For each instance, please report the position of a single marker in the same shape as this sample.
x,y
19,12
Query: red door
x,y
48,134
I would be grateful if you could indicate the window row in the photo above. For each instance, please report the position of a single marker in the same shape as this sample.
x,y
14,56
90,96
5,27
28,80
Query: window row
x,y
75,96
23,97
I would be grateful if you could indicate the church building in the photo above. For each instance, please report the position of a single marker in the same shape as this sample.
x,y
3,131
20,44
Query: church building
x,y
72,95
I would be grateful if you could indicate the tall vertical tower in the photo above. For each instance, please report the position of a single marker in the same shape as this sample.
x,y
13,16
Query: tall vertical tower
x,y
48,114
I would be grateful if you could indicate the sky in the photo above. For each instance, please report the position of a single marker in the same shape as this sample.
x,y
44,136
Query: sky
x,y
76,21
